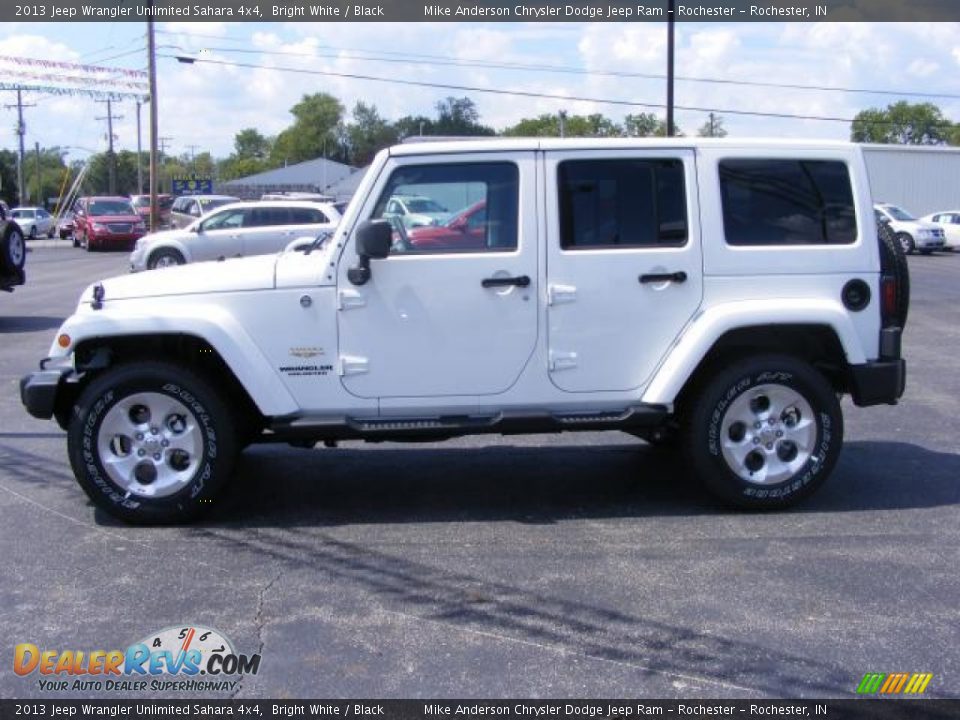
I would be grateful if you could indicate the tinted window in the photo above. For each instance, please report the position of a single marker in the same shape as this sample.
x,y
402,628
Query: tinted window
x,y
622,203
227,219
493,186
268,216
307,216
787,202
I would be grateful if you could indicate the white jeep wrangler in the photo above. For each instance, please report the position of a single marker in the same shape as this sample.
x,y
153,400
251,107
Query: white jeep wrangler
x,y
720,295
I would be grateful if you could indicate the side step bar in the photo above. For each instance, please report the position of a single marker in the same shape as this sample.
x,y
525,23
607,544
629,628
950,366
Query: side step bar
x,y
300,428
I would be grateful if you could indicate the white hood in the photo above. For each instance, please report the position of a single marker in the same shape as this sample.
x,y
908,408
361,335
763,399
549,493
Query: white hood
x,y
252,273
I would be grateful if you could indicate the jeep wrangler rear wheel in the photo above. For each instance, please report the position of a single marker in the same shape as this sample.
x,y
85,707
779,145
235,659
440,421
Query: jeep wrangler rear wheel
x,y
765,433
151,443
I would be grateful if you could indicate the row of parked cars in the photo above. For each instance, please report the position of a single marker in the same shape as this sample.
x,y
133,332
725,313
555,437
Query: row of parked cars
x,y
936,231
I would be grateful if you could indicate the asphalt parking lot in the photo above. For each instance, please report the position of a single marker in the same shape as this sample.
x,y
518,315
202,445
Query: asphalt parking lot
x,y
546,566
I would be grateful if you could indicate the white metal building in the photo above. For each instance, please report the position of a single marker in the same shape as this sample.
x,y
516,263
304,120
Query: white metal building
x,y
920,179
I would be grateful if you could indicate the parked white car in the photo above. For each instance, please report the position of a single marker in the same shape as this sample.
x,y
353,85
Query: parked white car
x,y
415,210
235,230
949,222
34,221
912,234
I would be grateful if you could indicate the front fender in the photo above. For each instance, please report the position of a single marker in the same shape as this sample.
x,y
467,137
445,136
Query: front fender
x,y
712,324
209,322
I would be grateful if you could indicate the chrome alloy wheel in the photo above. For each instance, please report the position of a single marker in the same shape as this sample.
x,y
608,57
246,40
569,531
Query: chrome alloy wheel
x,y
150,444
768,434
165,260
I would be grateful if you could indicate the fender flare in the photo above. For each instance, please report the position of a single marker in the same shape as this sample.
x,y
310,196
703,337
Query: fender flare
x,y
710,325
210,323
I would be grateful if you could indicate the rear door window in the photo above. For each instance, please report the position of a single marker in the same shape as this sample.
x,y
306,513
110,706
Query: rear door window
x,y
787,202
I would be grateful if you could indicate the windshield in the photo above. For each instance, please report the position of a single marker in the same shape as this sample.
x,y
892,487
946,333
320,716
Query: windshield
x,y
209,204
140,200
899,213
424,206
110,207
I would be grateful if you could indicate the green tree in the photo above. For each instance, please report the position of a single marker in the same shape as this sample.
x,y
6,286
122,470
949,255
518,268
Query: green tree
x,y
647,125
413,125
713,127
548,125
315,128
459,116
902,123
250,143
368,134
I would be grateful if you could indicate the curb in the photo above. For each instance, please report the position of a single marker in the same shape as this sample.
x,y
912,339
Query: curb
x,y
47,243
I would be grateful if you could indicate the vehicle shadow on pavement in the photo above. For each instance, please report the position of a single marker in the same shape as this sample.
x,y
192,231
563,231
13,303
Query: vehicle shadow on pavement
x,y
282,487
29,323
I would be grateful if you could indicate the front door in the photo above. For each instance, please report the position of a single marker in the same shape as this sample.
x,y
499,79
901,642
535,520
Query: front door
x,y
219,235
624,263
455,317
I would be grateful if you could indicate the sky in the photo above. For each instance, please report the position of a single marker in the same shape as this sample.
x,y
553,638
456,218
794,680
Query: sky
x,y
205,105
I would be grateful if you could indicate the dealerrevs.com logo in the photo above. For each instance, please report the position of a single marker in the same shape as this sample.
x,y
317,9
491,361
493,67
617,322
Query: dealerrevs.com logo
x,y
188,657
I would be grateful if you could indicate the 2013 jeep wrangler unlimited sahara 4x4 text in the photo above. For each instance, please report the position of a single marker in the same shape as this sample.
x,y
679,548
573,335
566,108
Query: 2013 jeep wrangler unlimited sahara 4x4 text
x,y
717,294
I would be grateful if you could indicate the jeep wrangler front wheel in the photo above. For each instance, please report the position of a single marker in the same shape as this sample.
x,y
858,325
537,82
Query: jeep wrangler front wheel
x,y
765,433
151,443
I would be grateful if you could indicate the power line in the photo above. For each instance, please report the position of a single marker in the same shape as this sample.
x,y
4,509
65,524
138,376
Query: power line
x,y
401,57
522,93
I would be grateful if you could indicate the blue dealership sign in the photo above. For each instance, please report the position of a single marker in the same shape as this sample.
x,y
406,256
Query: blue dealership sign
x,y
192,185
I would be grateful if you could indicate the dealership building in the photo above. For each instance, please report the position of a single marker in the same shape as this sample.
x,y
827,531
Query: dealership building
x,y
920,179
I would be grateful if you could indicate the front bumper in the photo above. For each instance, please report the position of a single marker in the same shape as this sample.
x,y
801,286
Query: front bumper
x,y
38,390
930,243
880,382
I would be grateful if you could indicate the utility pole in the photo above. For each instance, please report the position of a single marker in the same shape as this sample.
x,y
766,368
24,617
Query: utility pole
x,y
152,70
21,131
39,202
563,122
139,153
671,11
161,158
193,156
111,157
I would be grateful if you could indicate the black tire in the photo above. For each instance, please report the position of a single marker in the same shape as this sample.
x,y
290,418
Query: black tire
x,y
906,243
13,250
714,415
893,261
163,383
33,232
165,257
50,233
75,239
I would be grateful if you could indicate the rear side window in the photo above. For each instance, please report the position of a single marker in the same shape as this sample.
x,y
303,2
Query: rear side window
x,y
787,202
307,216
622,203
268,216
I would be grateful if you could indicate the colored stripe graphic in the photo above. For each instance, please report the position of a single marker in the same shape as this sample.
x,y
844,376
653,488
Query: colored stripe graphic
x,y
894,683
870,683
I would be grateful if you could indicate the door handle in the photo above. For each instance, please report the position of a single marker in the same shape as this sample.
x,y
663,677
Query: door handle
x,y
675,277
519,281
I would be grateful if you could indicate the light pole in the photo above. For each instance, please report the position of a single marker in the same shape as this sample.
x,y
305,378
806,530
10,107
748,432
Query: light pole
x,y
671,9
152,69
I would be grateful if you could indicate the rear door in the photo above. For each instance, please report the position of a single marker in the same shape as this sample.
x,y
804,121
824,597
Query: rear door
x,y
267,231
624,263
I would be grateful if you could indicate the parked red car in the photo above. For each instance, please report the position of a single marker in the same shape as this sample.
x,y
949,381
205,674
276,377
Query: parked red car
x,y
141,203
465,231
103,223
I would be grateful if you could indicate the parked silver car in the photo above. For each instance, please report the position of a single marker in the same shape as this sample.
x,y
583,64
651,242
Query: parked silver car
x,y
34,221
235,230
187,208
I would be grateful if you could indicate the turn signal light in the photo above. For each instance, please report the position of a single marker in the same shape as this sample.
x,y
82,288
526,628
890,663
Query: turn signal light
x,y
888,295
63,340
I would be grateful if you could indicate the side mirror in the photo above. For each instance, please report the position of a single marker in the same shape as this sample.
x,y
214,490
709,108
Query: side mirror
x,y
373,240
